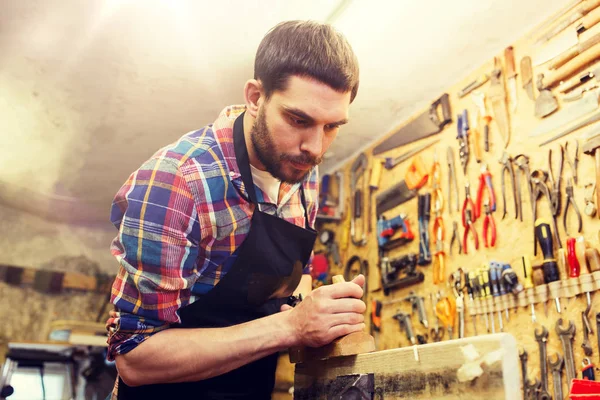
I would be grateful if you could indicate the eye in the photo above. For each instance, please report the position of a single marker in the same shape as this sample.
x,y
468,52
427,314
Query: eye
x,y
331,128
297,121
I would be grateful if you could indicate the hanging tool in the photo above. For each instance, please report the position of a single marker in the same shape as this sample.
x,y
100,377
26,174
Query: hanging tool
x,y
566,338
424,213
486,289
511,280
497,95
462,127
475,132
390,162
572,161
489,225
418,304
494,280
585,122
376,321
468,211
458,289
455,237
571,201
549,265
590,147
439,267
557,366
511,75
542,339
479,100
394,232
427,124
587,330
373,187
590,207
359,167
570,68
522,162
507,166
471,305
577,81
565,49
502,287
439,270
400,272
406,324
485,182
479,294
538,182
445,309
452,180
583,8
480,81
436,333
546,103
528,284
579,93
527,77
555,194
416,176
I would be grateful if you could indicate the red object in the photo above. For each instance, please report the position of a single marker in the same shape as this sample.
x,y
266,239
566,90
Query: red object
x,y
489,224
485,181
468,205
319,265
584,389
470,227
574,267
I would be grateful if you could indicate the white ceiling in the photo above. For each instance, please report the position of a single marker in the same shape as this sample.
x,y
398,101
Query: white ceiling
x,y
90,89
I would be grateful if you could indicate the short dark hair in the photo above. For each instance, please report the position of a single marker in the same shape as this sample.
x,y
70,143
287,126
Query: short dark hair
x,y
306,48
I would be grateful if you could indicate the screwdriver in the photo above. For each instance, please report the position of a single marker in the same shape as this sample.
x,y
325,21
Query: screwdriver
x,y
376,321
528,285
574,265
495,286
486,290
471,304
502,289
477,292
549,266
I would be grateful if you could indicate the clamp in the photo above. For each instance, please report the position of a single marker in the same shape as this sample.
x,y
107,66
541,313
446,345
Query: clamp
x,y
507,166
572,162
455,237
485,181
570,200
555,183
489,224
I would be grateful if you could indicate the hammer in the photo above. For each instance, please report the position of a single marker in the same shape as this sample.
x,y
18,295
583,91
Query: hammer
x,y
591,147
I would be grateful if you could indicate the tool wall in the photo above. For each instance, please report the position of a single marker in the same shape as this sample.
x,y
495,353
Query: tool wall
x,y
539,265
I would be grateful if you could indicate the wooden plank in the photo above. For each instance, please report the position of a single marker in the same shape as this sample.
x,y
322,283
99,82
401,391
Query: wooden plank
x,y
399,375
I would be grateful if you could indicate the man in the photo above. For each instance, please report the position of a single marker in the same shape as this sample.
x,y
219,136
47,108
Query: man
x,y
215,234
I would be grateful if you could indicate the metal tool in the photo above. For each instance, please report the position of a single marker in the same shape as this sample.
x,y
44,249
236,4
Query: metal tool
x,y
587,330
479,294
479,100
489,226
392,162
497,96
418,304
359,167
570,201
480,81
539,187
574,161
542,339
494,277
427,124
527,77
523,356
445,309
468,211
555,181
556,365
570,68
471,305
565,117
439,267
522,162
583,8
507,166
511,75
546,103
590,207
486,289
424,214
566,337
569,48
436,333
590,147
462,127
485,184
577,81
452,180
460,303
585,122
406,324
549,265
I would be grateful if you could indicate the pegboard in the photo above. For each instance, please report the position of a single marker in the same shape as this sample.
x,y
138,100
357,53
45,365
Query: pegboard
x,y
514,238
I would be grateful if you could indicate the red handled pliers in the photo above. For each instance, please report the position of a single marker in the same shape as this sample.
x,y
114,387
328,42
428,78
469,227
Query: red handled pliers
x,y
489,224
468,211
485,181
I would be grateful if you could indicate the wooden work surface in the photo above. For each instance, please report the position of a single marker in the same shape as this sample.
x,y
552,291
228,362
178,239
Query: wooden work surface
x,y
398,374
514,238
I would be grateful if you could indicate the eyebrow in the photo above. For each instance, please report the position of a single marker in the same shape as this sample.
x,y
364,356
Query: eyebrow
x,y
301,114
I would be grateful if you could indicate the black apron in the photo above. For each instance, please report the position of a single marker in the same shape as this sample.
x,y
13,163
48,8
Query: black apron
x,y
266,271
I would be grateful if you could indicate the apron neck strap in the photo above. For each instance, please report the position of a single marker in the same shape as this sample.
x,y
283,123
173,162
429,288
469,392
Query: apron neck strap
x,y
243,161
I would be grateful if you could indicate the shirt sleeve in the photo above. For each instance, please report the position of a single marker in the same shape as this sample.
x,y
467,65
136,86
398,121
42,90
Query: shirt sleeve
x,y
156,248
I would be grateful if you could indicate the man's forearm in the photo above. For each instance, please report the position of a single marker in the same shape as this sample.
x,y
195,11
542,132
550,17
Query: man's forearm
x,y
182,355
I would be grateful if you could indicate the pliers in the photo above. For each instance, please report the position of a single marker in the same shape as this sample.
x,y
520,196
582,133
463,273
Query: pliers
x,y
439,268
571,200
572,163
555,183
507,166
467,219
489,224
485,181
455,237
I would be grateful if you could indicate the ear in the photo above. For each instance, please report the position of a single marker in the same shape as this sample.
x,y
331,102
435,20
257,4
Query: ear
x,y
253,95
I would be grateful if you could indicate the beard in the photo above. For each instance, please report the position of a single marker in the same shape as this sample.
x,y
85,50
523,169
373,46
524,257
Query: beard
x,y
275,162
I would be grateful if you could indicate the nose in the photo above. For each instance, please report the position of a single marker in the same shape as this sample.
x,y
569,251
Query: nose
x,y
312,142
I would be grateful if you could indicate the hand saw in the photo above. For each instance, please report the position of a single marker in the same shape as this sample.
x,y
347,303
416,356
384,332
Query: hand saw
x,y
427,124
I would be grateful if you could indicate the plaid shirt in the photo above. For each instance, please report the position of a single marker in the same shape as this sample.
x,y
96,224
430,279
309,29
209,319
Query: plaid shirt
x,y
180,218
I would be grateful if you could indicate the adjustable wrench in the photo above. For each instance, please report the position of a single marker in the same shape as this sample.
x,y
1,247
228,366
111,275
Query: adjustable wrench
x,y
557,367
566,337
542,339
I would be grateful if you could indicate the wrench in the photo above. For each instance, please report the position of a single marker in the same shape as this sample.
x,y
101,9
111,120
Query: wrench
x,y
533,389
566,337
542,339
557,367
587,329
523,357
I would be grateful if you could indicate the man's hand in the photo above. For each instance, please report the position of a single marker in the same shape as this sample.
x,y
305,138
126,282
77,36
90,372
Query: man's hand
x,y
328,312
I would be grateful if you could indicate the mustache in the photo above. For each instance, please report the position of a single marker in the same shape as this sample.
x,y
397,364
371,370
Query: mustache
x,y
302,159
